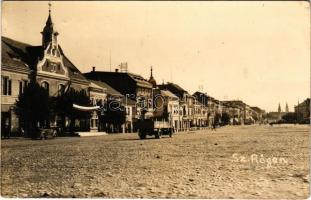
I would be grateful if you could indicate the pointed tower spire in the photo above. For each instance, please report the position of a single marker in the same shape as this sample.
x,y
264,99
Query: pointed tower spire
x,y
151,72
279,108
49,20
49,34
50,5
151,79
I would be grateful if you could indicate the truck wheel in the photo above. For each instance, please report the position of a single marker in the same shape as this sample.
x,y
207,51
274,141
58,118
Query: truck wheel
x,y
142,135
157,135
170,133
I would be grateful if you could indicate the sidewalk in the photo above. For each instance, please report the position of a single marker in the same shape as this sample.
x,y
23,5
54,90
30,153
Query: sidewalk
x,y
88,134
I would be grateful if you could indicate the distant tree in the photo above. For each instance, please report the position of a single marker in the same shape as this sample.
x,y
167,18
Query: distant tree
x,y
255,117
63,106
33,108
290,118
225,119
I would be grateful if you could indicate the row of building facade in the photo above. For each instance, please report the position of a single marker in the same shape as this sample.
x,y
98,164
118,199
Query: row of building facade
x,y
48,65
302,111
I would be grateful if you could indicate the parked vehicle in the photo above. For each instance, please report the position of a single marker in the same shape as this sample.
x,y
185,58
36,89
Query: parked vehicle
x,y
155,121
153,127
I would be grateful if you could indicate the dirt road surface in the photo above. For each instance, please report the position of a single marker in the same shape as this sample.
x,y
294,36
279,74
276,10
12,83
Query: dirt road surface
x,y
233,162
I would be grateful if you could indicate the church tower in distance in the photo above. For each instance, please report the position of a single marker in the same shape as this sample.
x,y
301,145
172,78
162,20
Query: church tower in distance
x,y
286,108
152,80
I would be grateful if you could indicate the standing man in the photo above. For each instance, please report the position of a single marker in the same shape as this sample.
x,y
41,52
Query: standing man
x,y
214,126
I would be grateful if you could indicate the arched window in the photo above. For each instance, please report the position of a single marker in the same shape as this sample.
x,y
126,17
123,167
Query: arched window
x,y
61,89
45,85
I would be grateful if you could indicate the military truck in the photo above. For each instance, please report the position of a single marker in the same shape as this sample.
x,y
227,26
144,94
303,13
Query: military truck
x,y
153,127
156,119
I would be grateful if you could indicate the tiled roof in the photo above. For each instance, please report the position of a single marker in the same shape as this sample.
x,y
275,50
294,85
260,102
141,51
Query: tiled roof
x,y
167,93
94,85
120,76
22,56
256,109
18,55
235,103
177,87
113,92
96,88
74,72
174,88
110,90
140,81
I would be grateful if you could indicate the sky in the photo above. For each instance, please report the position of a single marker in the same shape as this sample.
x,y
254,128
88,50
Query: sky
x,y
258,52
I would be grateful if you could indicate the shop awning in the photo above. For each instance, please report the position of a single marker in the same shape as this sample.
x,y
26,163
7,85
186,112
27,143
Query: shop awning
x,y
86,108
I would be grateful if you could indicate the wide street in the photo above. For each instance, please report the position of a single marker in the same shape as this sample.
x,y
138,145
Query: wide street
x,y
232,162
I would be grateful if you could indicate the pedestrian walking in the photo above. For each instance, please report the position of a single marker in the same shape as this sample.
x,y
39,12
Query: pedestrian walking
x,y
214,126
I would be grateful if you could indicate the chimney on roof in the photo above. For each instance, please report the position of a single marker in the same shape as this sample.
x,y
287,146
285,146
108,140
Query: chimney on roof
x,y
93,68
117,70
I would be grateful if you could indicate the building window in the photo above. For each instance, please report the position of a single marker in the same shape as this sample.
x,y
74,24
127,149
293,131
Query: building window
x,y
45,85
61,89
6,86
22,85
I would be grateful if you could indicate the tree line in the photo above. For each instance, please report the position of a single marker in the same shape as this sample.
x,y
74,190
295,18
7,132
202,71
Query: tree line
x,y
36,109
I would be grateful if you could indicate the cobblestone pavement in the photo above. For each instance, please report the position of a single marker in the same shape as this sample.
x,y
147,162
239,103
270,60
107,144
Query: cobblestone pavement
x,y
233,162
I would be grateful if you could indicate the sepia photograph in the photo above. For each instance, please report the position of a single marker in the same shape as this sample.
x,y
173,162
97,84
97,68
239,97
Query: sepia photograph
x,y
155,99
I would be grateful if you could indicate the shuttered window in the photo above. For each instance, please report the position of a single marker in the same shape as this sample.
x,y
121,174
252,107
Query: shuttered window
x,y
6,86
